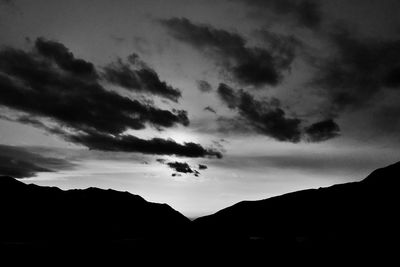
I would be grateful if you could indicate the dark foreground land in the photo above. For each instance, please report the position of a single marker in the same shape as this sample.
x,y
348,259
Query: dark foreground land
x,y
354,223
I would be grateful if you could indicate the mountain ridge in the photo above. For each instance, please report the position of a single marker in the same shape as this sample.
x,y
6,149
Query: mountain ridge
x,y
310,212
356,218
81,213
371,178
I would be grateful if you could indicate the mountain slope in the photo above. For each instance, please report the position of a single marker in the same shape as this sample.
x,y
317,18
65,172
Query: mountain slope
x,y
356,220
35,213
355,216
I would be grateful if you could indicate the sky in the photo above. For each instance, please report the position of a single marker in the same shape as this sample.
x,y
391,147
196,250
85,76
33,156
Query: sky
x,y
198,104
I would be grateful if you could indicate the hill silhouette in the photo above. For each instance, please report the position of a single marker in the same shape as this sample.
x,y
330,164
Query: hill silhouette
x,y
36,213
357,220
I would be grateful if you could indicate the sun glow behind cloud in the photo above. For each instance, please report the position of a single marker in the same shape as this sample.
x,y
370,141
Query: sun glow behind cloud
x,y
224,182
186,193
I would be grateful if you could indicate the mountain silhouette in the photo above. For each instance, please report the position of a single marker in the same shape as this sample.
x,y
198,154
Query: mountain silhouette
x,y
36,213
357,220
341,220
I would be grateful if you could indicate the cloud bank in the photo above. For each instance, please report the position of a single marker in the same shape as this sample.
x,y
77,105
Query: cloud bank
x,y
247,65
49,83
267,117
19,162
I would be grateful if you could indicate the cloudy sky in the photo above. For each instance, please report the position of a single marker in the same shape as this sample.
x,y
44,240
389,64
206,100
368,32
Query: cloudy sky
x,y
198,104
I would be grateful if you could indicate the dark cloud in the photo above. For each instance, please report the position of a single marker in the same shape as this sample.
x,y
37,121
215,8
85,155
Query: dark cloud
x,y
19,168
181,167
392,78
228,95
25,119
137,76
358,70
63,58
323,130
267,117
162,161
202,167
129,143
32,83
282,47
30,120
50,83
18,162
204,86
247,65
305,13
124,143
210,109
